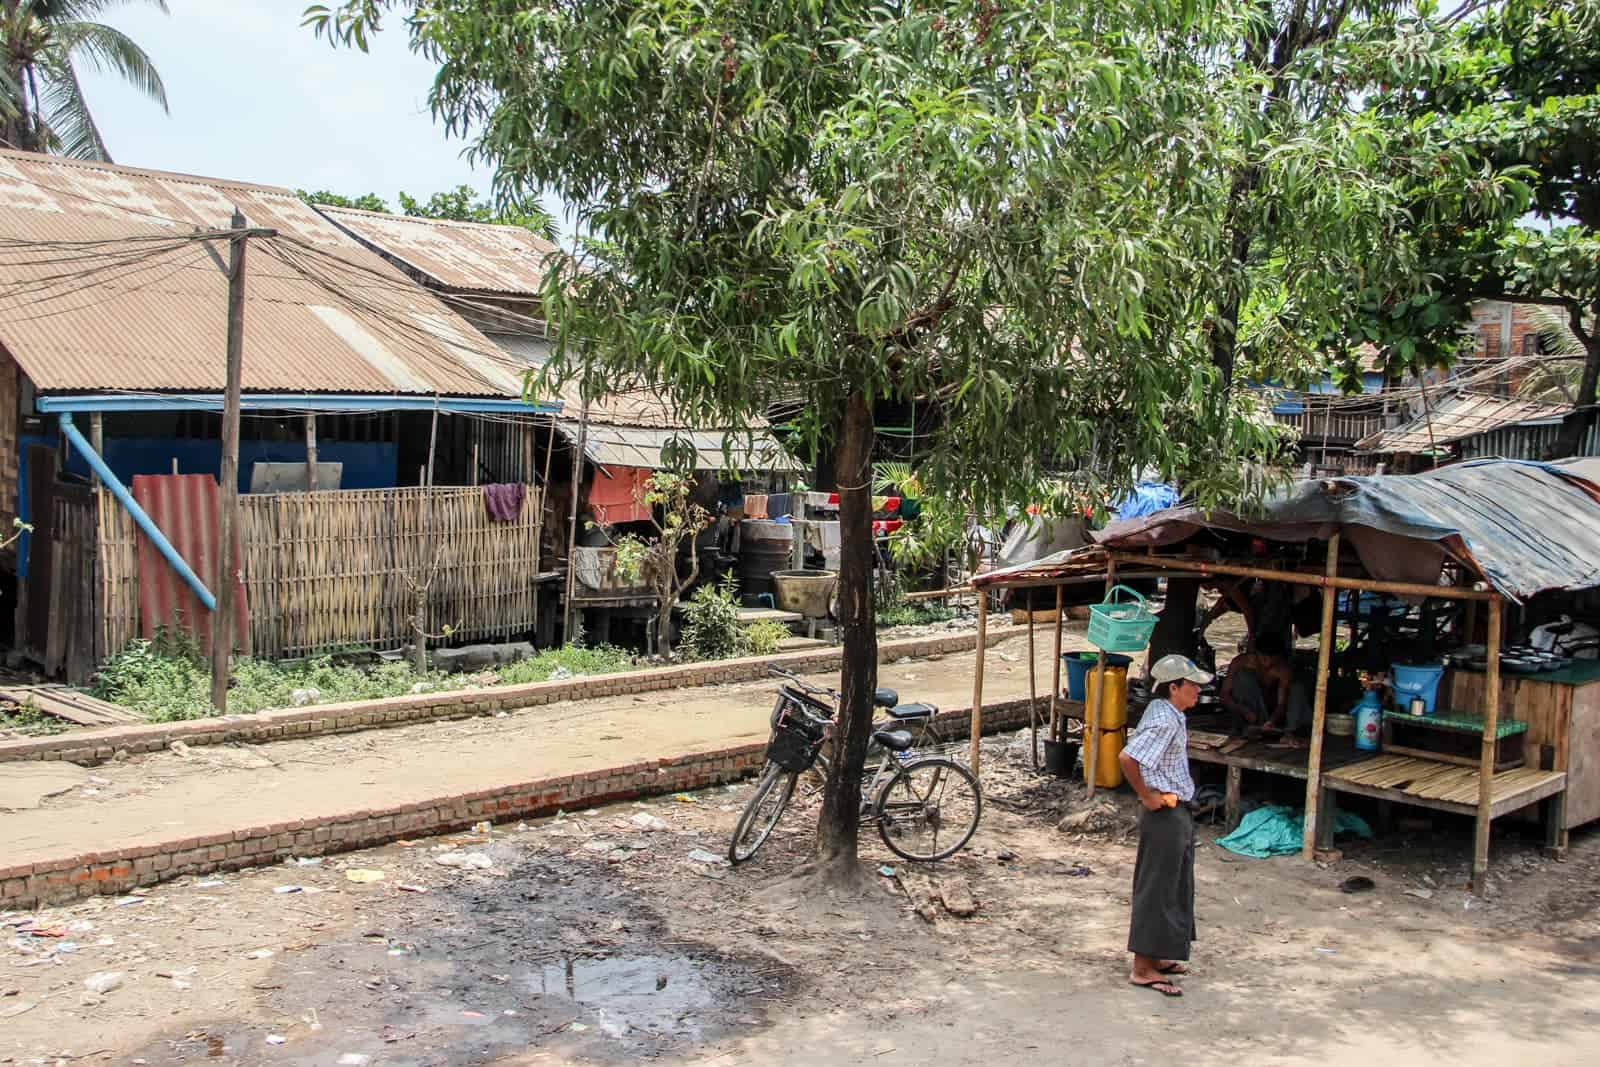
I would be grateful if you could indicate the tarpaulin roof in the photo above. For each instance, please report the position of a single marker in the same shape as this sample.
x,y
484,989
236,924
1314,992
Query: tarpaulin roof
x,y
1524,527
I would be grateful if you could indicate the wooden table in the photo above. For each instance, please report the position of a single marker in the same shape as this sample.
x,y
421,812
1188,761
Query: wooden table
x,y
1442,786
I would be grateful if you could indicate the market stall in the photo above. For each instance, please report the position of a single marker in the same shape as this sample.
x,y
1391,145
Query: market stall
x,y
1469,554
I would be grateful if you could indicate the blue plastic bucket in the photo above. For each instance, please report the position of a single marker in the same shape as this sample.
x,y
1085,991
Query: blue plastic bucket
x,y
1417,680
1079,664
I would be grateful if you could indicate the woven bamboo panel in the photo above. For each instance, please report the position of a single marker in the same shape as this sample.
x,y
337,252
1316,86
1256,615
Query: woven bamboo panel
x,y
118,577
332,569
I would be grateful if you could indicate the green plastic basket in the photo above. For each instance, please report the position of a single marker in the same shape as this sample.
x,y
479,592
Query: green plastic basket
x,y
1121,625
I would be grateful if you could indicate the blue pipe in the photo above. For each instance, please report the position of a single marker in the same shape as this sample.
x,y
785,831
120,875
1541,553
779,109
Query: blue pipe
x,y
146,523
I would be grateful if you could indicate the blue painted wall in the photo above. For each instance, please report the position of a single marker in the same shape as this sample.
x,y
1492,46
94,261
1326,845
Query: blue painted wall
x,y
367,464
1291,404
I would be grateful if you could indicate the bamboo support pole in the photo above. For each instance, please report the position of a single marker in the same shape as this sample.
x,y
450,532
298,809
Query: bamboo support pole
x,y
977,681
1319,708
1055,676
311,453
1033,696
97,438
1491,721
1091,708
1367,585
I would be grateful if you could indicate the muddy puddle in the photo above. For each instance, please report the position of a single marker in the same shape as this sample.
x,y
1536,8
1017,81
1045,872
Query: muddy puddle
x,y
556,957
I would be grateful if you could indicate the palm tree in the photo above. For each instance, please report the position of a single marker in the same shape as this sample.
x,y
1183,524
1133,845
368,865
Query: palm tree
x,y
1554,379
43,45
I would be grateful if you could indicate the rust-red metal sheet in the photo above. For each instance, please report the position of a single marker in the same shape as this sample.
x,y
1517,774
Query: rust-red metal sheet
x,y
185,508
103,287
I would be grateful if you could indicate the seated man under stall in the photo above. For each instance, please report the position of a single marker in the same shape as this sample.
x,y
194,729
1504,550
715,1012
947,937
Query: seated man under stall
x,y
1262,693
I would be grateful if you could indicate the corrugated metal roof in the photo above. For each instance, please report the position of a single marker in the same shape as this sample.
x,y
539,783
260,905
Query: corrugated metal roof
x,y
634,446
103,288
1524,527
1457,418
457,255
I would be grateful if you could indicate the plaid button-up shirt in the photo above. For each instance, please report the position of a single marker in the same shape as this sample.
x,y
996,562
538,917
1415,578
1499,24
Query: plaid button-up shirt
x,y
1161,747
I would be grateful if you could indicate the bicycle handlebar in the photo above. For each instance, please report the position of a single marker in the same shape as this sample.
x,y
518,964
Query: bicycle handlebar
x,y
803,685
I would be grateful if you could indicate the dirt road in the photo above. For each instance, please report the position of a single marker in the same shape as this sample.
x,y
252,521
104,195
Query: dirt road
x,y
608,938
218,788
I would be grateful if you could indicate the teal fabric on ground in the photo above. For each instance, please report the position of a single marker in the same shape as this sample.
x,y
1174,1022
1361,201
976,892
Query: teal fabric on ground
x,y
1276,830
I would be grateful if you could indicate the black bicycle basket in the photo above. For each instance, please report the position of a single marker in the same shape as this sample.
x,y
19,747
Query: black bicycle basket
x,y
796,738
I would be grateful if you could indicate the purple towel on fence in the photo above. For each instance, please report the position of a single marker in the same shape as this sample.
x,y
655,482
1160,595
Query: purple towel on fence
x,y
503,501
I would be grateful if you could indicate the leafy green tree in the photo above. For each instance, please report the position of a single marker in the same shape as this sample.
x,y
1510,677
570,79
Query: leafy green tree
x,y
1015,215
43,46
1514,89
460,204
364,202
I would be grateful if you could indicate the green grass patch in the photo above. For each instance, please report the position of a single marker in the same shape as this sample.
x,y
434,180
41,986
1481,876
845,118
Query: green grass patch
x,y
567,661
907,613
167,680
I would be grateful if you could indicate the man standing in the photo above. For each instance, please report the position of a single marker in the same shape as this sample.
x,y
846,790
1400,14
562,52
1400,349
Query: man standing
x,y
1156,764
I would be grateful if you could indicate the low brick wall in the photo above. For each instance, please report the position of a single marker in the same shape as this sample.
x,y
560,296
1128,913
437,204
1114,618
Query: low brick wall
x,y
89,747
114,873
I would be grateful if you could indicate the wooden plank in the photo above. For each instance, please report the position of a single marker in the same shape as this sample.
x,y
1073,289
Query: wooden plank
x,y
1583,757
69,704
1368,585
1446,757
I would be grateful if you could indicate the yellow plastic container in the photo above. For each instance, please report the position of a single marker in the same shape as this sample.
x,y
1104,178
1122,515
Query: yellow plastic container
x,y
1107,770
1114,707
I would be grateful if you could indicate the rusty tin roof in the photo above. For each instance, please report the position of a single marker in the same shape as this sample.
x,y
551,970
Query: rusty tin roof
x,y
470,256
104,287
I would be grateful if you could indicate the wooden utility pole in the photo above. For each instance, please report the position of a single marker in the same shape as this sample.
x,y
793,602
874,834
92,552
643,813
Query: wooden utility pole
x,y
222,620
311,453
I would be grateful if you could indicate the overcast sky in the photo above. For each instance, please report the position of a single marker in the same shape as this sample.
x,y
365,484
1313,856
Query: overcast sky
x,y
254,97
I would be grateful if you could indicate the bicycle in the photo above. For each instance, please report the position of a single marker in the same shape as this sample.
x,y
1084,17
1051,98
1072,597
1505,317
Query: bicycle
x,y
912,794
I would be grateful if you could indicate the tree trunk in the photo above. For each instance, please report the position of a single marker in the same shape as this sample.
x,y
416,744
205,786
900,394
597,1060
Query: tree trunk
x,y
1575,425
1225,325
838,827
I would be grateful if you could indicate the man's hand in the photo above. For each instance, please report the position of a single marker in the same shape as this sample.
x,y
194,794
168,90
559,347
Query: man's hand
x,y
1155,801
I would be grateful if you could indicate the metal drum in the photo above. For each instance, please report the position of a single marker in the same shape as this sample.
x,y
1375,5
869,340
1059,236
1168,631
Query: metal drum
x,y
763,548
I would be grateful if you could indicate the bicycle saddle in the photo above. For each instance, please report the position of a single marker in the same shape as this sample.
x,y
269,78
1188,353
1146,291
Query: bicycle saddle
x,y
893,740
903,712
885,698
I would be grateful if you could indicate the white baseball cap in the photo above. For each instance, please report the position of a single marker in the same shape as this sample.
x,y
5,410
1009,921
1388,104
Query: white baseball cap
x,y
1176,668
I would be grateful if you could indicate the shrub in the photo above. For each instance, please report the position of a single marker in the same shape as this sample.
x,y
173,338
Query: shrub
x,y
711,622
763,638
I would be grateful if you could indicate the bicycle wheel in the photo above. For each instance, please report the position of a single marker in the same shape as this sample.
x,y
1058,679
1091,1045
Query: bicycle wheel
x,y
762,813
929,809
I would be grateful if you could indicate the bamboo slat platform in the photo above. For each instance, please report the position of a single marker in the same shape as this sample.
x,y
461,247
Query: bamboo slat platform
x,y
1443,786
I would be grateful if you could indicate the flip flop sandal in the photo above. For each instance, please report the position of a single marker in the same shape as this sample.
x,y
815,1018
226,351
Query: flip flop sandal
x,y
1174,968
1162,986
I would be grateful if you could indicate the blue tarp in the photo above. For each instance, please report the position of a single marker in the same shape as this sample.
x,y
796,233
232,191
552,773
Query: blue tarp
x,y
1147,498
1278,831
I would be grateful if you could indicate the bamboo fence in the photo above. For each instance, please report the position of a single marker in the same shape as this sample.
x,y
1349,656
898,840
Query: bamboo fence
x,y
340,568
